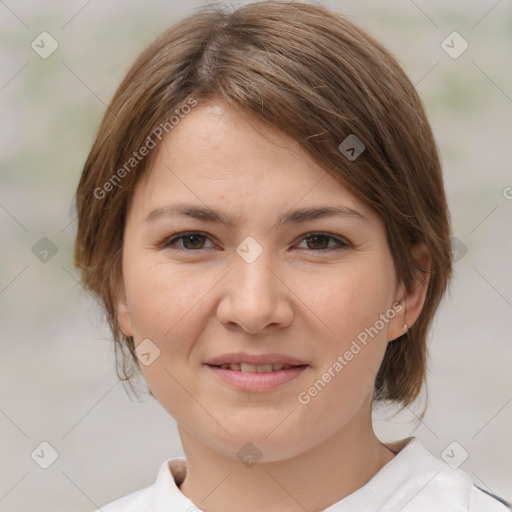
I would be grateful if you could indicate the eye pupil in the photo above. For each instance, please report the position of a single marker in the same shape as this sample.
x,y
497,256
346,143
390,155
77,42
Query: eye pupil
x,y
316,237
191,237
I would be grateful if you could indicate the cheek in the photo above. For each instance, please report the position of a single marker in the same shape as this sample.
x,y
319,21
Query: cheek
x,y
163,298
355,343
352,300
351,351
169,307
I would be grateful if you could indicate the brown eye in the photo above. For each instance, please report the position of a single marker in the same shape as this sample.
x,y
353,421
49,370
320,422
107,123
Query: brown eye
x,y
320,242
190,241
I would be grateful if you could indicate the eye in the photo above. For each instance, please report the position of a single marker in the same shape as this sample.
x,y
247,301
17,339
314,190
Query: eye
x,y
194,241
320,238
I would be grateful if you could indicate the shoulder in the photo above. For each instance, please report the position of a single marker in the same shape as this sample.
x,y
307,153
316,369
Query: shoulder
x,y
483,501
417,481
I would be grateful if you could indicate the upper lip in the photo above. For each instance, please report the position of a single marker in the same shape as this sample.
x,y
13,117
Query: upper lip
x,y
255,359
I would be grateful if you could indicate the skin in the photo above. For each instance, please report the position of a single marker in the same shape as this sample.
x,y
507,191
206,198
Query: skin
x,y
308,300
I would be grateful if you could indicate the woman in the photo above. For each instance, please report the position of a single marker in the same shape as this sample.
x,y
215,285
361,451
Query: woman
x,y
263,216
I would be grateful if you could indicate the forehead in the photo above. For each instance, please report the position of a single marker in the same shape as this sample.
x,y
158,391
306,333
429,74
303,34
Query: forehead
x,y
219,157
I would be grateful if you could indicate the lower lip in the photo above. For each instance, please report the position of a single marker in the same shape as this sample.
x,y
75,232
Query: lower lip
x,y
257,381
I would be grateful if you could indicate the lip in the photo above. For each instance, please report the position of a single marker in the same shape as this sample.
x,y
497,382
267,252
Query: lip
x,y
255,359
255,382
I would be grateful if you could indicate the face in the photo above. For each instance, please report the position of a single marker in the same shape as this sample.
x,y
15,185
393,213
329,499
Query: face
x,y
269,288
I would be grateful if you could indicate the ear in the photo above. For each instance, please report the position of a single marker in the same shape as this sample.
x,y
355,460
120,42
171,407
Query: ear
x,y
412,303
122,309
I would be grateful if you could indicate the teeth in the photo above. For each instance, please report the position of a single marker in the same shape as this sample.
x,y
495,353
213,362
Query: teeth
x,y
252,368
248,368
264,368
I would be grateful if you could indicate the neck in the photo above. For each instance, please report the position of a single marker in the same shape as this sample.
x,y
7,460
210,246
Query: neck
x,y
312,480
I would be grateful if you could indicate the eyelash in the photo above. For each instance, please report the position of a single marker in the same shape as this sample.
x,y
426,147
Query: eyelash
x,y
169,242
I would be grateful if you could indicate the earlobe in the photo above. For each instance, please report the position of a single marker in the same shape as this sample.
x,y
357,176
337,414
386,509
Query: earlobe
x,y
414,299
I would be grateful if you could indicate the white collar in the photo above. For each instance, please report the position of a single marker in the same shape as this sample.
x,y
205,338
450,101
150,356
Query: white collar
x,y
413,481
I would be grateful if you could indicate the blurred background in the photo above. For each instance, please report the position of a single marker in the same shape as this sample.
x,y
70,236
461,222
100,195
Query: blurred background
x,y
58,383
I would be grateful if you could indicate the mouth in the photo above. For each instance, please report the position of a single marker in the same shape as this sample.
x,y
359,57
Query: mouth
x,y
256,378
252,368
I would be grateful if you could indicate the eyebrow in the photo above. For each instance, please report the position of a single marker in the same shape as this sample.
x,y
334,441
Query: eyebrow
x,y
297,216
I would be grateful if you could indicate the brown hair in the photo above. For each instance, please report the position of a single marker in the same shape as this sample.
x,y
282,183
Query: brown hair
x,y
317,77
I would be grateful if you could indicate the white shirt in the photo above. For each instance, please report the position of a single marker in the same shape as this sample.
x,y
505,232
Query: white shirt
x,y
413,481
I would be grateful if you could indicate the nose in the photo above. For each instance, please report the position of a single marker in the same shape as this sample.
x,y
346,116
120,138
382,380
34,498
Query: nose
x,y
255,296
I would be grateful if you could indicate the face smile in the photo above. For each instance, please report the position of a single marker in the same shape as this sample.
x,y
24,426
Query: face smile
x,y
255,373
241,338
